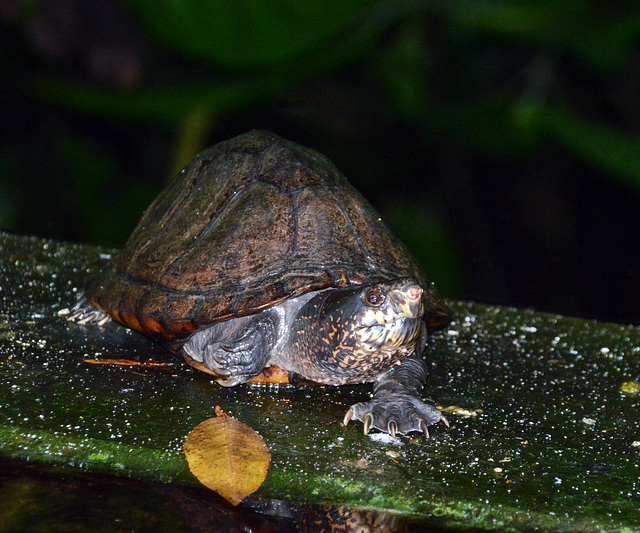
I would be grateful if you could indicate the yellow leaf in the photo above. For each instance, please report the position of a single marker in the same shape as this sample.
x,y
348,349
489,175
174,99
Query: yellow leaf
x,y
630,388
227,456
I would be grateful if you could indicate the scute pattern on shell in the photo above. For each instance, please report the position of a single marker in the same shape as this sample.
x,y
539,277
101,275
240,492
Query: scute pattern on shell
x,y
249,223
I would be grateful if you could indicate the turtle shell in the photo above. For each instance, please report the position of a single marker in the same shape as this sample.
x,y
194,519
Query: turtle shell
x,y
249,223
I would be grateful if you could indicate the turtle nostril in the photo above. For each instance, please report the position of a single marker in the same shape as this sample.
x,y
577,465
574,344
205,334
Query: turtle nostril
x,y
414,292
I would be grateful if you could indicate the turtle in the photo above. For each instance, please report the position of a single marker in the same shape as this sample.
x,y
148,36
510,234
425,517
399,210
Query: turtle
x,y
261,259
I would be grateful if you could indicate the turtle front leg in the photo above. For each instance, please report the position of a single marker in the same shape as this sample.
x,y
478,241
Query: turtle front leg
x,y
237,349
397,406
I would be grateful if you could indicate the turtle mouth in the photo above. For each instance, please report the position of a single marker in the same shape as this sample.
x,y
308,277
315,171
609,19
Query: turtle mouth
x,y
390,335
384,318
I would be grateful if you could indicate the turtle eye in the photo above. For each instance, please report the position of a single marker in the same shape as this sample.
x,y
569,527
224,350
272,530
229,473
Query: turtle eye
x,y
374,297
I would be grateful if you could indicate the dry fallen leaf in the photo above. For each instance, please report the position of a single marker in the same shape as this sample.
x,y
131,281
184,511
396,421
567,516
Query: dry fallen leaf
x,y
227,456
454,409
128,362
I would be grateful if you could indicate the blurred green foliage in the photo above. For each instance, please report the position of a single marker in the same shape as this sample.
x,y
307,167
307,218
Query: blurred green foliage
x,y
470,124
247,34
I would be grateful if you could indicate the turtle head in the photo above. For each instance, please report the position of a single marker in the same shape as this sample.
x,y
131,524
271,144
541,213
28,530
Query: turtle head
x,y
372,327
386,316
353,334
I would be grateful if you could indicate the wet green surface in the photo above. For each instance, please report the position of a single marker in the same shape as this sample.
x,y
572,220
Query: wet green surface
x,y
555,447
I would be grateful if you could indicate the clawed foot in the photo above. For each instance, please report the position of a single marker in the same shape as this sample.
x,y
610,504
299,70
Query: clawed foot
x,y
236,350
396,413
84,312
236,362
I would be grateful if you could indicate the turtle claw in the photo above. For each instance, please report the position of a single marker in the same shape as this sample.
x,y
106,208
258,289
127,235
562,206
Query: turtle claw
x,y
230,382
85,319
347,417
395,413
368,420
84,312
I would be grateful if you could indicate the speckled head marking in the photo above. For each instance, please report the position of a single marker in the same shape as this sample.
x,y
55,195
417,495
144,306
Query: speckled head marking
x,y
390,316
351,335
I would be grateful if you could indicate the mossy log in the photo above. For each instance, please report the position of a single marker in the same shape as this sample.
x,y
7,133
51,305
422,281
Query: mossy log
x,y
545,418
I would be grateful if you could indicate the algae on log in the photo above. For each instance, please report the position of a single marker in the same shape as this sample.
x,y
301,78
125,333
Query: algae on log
x,y
554,443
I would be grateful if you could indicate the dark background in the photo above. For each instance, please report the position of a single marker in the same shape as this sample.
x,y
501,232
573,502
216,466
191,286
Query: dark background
x,y
499,140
